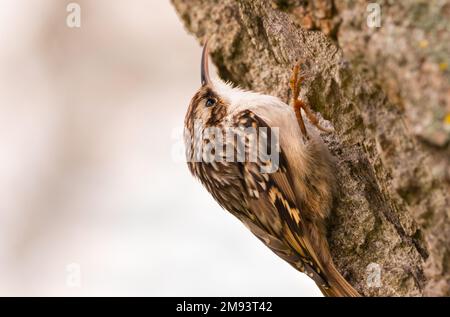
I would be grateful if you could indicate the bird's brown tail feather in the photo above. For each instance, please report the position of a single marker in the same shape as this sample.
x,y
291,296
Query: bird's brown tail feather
x,y
338,286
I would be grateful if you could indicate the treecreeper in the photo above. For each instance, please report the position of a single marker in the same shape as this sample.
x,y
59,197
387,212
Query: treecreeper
x,y
269,167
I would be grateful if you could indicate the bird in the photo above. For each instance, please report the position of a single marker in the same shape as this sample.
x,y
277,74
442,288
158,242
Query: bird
x,y
282,193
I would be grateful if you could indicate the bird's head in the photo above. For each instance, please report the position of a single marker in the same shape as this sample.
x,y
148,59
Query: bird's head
x,y
208,106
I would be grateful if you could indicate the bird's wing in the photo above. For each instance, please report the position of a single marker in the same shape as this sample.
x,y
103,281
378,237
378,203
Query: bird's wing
x,y
275,217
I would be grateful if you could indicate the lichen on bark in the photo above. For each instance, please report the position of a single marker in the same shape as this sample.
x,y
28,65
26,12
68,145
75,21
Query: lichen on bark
x,y
386,91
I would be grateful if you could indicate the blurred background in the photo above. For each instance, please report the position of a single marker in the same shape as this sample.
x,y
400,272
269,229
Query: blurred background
x,y
95,199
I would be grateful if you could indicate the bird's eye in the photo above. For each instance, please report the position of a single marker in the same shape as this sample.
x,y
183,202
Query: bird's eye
x,y
210,102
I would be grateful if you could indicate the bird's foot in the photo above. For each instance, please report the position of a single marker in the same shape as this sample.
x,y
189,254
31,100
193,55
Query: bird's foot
x,y
298,104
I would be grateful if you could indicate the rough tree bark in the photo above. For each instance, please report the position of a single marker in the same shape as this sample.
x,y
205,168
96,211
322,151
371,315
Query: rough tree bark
x,y
386,91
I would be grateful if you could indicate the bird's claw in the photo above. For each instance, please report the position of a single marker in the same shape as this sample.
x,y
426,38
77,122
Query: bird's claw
x,y
298,104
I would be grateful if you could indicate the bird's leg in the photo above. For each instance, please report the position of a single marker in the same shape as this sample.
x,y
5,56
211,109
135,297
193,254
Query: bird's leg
x,y
298,104
312,117
294,83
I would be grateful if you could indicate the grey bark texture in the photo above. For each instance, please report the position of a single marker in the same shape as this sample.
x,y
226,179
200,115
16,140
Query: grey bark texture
x,y
386,91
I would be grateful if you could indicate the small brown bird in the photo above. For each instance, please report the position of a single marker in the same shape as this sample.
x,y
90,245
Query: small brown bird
x,y
274,173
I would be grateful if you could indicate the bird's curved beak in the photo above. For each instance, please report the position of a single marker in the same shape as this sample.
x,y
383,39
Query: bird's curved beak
x,y
204,66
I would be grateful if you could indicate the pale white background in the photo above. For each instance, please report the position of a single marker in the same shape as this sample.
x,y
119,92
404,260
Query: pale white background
x,y
87,169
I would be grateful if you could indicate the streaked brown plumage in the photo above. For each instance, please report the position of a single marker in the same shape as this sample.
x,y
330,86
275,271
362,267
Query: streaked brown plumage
x,y
287,208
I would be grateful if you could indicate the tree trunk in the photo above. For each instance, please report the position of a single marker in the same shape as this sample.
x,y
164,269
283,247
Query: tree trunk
x,y
386,90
